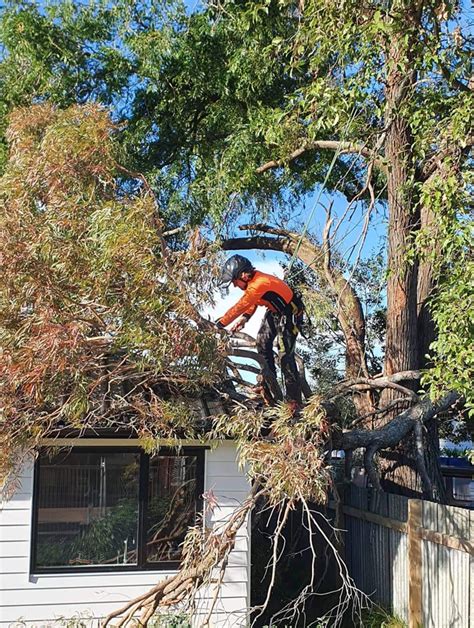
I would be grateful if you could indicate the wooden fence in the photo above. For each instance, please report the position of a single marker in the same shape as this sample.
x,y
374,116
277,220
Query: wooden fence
x,y
414,557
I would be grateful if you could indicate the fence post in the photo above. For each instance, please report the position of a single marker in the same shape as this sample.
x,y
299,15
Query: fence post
x,y
415,606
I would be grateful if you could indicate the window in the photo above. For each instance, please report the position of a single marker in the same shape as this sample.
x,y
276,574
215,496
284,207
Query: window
x,y
108,509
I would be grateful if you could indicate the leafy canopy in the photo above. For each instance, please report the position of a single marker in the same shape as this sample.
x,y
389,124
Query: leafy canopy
x,y
202,100
95,313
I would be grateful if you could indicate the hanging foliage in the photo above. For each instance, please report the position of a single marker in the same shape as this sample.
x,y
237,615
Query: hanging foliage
x,y
95,312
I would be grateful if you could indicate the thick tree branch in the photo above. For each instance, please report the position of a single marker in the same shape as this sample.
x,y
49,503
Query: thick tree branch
x,y
269,377
343,148
243,341
379,412
394,431
435,162
402,376
381,382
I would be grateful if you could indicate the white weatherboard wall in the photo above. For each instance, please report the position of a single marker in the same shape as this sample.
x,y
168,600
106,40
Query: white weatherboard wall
x,y
42,600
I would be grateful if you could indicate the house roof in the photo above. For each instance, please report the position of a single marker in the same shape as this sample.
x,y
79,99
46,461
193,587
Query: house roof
x,y
203,409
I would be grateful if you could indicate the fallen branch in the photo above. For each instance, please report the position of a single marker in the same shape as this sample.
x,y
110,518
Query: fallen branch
x,y
268,376
196,571
393,432
364,383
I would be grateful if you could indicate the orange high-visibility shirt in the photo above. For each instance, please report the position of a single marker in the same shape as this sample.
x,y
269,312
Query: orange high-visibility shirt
x,y
262,289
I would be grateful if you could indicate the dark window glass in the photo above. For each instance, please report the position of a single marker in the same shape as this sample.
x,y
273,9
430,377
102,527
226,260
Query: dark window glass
x,y
114,509
87,509
172,497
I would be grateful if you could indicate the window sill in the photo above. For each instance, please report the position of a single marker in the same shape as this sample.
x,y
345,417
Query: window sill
x,y
74,571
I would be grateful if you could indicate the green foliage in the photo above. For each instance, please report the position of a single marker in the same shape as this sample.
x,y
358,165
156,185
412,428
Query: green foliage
x,y
104,538
81,619
380,618
452,351
93,309
170,620
204,95
95,314
200,101
452,305
209,96
291,464
450,452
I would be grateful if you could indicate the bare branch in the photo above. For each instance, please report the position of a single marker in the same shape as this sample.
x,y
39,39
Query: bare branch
x,y
435,162
173,589
269,377
175,231
327,248
364,383
401,376
283,517
378,412
343,148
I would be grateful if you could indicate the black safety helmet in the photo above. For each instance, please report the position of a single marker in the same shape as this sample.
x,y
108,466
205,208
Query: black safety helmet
x,y
232,268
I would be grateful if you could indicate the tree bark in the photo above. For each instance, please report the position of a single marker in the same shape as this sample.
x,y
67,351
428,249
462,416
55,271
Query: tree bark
x,y
343,148
402,348
399,427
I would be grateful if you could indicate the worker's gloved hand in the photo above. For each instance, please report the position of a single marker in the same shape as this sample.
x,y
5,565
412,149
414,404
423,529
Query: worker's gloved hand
x,y
238,325
219,325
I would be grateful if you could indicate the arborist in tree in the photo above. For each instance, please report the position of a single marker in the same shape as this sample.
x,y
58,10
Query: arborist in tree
x,y
283,317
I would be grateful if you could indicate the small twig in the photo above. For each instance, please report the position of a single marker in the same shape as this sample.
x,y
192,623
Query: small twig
x,y
379,411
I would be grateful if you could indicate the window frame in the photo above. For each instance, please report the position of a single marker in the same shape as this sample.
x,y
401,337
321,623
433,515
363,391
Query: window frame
x,y
143,478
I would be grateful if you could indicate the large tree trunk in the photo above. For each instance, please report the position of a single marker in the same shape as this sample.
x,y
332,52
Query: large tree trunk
x,y
402,347
426,325
401,350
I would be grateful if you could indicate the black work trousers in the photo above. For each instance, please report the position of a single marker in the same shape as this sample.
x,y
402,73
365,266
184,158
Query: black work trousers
x,y
274,324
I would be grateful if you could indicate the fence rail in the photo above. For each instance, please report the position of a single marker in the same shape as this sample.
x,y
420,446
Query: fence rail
x,y
414,557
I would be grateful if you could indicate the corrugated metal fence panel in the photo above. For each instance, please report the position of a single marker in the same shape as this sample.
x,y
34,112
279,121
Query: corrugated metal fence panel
x,y
377,558
377,555
383,563
398,510
358,499
447,573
